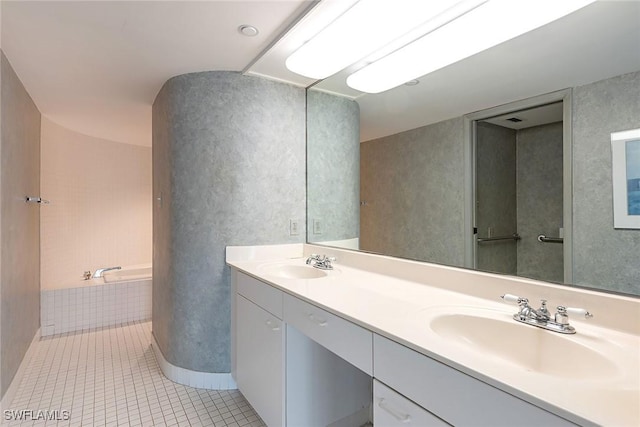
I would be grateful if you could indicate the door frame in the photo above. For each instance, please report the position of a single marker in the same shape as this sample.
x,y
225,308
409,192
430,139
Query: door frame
x,y
470,135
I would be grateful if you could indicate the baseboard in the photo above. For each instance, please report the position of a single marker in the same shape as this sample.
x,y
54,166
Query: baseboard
x,y
8,397
205,380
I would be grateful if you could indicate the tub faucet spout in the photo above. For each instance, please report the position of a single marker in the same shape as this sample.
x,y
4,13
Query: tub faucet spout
x,y
98,273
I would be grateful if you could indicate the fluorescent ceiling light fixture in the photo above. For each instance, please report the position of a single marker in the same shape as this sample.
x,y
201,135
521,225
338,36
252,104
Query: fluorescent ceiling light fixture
x,y
364,28
486,26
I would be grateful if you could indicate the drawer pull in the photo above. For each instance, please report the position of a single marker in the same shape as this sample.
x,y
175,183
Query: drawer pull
x,y
319,322
269,324
403,418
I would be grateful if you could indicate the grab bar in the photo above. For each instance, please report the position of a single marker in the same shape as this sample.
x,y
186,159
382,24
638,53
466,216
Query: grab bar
x,y
514,236
544,239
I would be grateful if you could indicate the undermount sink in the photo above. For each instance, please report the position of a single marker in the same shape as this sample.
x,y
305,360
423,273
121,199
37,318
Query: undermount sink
x,y
531,348
292,271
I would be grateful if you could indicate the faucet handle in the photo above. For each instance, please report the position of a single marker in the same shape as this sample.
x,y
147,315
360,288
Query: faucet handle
x,y
578,312
543,307
521,301
510,298
562,315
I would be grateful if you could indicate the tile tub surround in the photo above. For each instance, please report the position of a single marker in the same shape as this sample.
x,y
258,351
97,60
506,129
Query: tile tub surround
x,y
94,305
387,296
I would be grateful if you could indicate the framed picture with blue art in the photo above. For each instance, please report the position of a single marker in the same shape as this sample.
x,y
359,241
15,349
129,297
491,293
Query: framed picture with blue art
x,y
625,150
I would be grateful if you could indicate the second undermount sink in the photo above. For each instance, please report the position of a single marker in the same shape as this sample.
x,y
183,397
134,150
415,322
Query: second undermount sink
x,y
533,349
292,271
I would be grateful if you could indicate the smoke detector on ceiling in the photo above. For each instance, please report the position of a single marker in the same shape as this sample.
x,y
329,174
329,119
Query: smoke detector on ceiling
x,y
248,30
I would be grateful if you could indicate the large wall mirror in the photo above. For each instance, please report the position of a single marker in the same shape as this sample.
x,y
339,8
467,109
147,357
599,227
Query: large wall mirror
x,y
500,162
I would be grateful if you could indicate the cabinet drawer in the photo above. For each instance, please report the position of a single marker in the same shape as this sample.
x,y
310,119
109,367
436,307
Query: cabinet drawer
x,y
392,409
453,396
260,293
345,339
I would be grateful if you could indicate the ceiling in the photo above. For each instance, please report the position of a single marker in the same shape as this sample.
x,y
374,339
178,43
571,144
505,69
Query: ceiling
x,y
96,67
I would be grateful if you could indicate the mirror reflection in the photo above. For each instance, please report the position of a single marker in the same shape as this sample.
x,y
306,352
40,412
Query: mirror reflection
x,y
439,160
519,194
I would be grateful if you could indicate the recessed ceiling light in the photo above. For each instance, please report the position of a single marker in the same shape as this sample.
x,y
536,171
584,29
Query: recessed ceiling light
x,y
412,82
248,30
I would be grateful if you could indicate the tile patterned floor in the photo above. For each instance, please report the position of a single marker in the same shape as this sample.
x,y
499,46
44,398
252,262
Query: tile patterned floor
x,y
109,377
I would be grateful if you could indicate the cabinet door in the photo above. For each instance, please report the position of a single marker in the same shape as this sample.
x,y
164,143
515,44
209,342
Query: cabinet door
x,y
260,349
391,409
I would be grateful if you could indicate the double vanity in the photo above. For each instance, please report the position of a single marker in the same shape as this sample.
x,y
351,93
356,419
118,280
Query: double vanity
x,y
398,342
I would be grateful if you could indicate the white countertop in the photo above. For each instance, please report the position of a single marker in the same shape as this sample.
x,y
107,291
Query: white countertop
x,y
402,309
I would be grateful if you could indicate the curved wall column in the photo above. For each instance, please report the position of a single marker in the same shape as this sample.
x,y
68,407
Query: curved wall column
x,y
333,168
228,169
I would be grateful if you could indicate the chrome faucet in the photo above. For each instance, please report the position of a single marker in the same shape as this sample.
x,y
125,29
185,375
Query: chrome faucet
x,y
322,262
542,318
528,312
98,273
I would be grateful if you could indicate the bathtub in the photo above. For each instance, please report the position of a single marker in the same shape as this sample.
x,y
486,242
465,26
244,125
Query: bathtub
x,y
128,274
119,297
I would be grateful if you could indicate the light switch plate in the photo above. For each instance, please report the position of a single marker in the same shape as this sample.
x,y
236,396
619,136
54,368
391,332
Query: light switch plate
x,y
317,226
294,227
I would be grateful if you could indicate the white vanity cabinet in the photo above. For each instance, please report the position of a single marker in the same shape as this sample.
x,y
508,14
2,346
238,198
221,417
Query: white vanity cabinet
x,y
299,364
451,395
260,346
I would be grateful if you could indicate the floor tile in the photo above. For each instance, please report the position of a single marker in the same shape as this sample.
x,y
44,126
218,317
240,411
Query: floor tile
x,y
109,377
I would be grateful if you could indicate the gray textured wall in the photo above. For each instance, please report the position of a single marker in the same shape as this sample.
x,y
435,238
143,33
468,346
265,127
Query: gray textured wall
x,y
229,161
413,186
333,166
540,198
20,223
603,256
496,197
